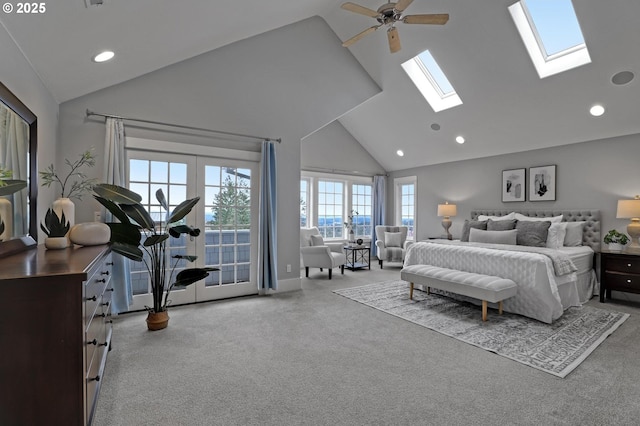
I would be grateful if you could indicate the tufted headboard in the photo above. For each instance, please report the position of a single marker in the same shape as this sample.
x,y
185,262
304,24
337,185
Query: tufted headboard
x,y
590,235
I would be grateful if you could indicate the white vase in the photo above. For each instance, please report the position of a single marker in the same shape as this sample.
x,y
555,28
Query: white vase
x,y
56,243
615,247
6,215
66,206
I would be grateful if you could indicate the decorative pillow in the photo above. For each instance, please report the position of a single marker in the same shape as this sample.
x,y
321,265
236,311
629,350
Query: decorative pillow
x,y
317,240
501,225
532,234
493,237
553,219
511,215
392,239
573,238
556,234
468,224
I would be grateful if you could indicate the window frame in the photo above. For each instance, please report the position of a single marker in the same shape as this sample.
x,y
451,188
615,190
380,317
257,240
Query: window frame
x,y
397,195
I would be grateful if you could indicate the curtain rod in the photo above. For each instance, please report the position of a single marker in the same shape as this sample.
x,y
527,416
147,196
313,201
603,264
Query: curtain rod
x,y
90,113
339,171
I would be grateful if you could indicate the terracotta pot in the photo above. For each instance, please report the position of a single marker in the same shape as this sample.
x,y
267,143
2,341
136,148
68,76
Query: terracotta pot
x,y
157,320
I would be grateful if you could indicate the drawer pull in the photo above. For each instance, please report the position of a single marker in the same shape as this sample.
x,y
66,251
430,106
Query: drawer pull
x,y
104,273
104,304
103,344
109,289
628,281
109,263
95,379
104,280
93,299
93,342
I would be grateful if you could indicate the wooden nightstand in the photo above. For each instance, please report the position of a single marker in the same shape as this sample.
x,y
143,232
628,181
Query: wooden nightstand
x,y
619,271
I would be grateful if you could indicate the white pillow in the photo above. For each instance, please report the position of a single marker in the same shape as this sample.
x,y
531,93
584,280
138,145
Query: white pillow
x,y
574,234
392,239
554,219
493,237
317,240
511,215
556,234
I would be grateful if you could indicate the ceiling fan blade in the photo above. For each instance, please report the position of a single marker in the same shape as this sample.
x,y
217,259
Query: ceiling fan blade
x,y
394,39
356,8
435,18
360,35
402,5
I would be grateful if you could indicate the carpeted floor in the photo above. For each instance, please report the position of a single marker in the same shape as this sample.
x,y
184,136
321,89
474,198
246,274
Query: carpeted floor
x,y
556,348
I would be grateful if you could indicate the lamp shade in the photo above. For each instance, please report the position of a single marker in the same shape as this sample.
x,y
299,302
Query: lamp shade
x,y
628,209
447,209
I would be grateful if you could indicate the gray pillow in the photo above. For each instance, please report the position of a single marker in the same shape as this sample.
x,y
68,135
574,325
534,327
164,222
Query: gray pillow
x,y
501,225
532,234
468,224
317,240
493,237
392,239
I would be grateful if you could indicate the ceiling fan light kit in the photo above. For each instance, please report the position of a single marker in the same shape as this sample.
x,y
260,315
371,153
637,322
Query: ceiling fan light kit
x,y
388,14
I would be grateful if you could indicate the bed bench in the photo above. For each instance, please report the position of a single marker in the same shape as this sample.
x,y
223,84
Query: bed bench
x,y
484,287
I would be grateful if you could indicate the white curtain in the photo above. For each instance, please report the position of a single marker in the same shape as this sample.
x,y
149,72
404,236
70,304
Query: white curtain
x,y
114,173
379,191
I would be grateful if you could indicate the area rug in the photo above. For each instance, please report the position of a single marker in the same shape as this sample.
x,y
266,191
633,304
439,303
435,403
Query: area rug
x,y
556,348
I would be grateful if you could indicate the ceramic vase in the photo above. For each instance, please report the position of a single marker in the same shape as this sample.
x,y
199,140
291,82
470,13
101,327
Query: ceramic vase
x,y
6,216
56,243
615,247
66,206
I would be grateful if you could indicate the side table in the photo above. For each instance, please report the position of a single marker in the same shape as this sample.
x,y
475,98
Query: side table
x,y
619,271
357,257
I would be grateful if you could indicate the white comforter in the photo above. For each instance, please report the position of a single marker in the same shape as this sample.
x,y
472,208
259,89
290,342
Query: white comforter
x,y
538,295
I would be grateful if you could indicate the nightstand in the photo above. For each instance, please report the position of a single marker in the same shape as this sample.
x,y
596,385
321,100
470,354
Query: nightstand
x,y
619,271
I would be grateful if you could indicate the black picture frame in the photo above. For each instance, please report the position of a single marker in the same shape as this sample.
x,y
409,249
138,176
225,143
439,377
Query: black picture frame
x,y
542,183
514,185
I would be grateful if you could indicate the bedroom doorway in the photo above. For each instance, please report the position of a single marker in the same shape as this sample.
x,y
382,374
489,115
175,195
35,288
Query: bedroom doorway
x,y
226,216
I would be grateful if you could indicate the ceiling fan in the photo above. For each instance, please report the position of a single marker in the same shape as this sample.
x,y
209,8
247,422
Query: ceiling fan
x,y
388,14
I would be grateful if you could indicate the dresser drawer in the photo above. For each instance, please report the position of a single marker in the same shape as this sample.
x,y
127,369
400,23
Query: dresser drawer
x,y
623,264
623,282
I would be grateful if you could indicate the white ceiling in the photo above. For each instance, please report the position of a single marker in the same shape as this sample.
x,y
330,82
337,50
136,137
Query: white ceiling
x,y
507,108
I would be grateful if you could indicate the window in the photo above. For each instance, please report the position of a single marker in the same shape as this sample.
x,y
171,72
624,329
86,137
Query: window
x,y
361,202
304,203
330,208
551,34
431,81
405,197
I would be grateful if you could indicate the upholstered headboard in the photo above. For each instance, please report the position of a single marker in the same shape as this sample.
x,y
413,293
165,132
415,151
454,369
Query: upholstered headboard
x,y
590,235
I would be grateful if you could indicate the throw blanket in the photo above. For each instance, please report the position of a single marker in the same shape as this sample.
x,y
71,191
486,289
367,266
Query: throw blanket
x,y
562,264
394,254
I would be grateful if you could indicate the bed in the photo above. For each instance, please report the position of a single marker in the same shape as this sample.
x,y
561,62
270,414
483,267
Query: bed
x,y
549,280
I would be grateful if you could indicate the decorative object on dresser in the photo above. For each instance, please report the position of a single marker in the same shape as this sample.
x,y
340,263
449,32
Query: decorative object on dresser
x,y
8,187
630,209
513,185
542,183
127,240
90,234
447,210
619,271
55,333
56,229
615,240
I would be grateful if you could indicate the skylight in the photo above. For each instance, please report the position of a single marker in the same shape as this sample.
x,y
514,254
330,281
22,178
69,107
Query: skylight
x,y
551,33
431,81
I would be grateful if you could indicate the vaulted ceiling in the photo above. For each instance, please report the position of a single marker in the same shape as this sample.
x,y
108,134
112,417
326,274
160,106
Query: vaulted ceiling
x,y
506,106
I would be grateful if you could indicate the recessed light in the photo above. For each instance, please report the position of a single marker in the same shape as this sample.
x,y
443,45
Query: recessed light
x,y
460,139
400,153
103,56
623,77
597,110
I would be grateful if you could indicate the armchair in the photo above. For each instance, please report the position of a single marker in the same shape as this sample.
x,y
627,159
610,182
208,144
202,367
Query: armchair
x,y
391,243
318,254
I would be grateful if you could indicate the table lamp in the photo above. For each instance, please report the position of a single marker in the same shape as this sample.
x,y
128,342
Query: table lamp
x,y
447,210
630,209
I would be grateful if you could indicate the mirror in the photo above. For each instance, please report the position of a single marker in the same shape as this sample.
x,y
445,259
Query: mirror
x,y
18,169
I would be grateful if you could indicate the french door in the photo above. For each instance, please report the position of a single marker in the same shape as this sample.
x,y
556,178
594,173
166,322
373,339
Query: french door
x,y
226,216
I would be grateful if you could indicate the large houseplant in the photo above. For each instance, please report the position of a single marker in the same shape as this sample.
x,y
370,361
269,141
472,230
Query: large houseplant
x,y
138,237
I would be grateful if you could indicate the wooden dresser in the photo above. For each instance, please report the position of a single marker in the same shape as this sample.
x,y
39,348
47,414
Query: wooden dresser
x,y
55,332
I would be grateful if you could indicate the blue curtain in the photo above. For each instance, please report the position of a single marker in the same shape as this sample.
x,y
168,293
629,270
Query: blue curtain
x,y
379,191
267,230
114,173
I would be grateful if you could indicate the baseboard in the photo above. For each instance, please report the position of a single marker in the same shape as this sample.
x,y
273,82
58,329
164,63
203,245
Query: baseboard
x,y
290,284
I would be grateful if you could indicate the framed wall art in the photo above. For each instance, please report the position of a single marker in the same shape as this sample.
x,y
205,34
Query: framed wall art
x,y
513,185
542,183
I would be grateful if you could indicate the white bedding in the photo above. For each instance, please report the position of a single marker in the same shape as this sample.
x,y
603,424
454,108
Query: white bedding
x,y
541,294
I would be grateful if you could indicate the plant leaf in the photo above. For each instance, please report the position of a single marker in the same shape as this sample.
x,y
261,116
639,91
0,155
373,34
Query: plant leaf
x,y
155,239
11,186
182,209
117,194
114,209
139,215
125,233
190,276
175,231
188,258
128,251
161,199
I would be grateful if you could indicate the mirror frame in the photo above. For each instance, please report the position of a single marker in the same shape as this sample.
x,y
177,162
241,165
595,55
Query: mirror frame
x,y
18,244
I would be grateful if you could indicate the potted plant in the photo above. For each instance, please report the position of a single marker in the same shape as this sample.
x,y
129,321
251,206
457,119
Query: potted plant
x,y
616,240
56,229
138,237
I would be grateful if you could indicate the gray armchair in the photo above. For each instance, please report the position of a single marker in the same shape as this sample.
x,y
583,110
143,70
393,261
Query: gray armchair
x,y
391,243
318,254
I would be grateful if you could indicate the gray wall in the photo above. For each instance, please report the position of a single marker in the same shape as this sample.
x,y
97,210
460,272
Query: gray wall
x,y
333,147
590,175
278,84
16,73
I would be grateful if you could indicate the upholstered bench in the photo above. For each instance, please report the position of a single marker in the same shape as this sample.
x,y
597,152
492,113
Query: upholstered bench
x,y
484,287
